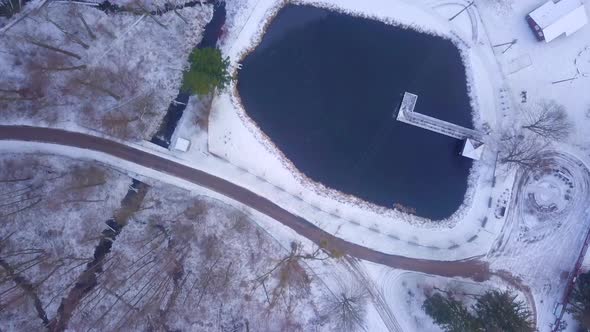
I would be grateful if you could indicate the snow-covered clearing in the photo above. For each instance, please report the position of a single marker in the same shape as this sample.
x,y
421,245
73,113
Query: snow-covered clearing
x,y
542,242
536,67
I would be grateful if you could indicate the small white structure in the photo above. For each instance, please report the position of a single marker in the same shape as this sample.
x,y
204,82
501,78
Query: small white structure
x,y
472,149
556,18
408,104
181,144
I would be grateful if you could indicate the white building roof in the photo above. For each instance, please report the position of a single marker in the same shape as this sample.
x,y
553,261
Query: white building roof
x,y
473,149
182,144
557,18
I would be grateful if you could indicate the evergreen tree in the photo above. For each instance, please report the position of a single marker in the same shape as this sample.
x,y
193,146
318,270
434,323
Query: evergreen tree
x,y
494,311
501,311
450,314
208,70
579,304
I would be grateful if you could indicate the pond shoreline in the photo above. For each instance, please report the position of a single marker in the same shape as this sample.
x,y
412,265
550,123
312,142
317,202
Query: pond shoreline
x,y
370,153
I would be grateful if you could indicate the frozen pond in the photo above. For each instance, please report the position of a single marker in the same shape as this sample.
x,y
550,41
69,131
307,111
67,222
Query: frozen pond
x,y
325,86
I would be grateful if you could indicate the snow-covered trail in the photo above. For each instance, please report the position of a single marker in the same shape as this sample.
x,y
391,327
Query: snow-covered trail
x,y
471,268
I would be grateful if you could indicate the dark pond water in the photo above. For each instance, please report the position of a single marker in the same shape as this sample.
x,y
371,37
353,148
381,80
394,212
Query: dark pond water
x,y
324,86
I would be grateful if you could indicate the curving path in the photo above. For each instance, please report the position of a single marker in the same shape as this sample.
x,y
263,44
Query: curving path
x,y
471,268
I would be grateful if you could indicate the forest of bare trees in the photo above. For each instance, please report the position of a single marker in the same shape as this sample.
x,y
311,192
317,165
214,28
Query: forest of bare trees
x,y
50,218
77,253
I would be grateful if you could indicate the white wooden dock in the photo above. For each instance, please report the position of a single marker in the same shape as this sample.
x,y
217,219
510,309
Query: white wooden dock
x,y
407,115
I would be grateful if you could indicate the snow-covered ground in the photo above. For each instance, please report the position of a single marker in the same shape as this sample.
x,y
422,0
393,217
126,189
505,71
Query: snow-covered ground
x,y
542,247
498,76
235,139
535,67
234,148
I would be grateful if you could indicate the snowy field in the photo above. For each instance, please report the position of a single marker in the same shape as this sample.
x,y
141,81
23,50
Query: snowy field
x,y
556,71
536,67
546,232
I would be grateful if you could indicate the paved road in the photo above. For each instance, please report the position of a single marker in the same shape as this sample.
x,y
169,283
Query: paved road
x,y
473,269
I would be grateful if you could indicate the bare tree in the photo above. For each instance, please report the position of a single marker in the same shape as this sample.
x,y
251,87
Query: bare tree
x,y
80,186
549,121
346,307
292,279
119,125
521,151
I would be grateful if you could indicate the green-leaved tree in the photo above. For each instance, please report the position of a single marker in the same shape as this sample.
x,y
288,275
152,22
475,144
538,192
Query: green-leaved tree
x,y
208,71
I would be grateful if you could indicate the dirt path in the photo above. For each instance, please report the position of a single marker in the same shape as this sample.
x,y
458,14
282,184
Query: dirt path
x,y
471,268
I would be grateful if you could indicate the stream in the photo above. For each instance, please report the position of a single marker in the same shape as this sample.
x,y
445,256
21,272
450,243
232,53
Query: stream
x,y
211,35
88,279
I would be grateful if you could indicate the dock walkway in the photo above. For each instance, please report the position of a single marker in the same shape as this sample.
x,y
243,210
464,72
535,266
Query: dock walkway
x,y
407,115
